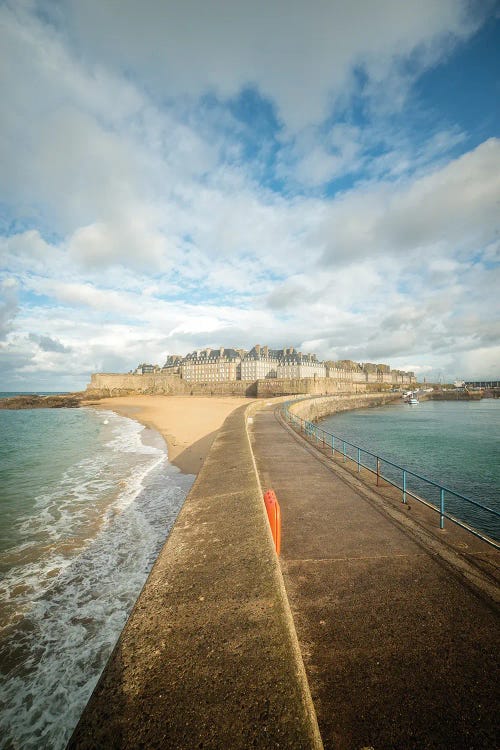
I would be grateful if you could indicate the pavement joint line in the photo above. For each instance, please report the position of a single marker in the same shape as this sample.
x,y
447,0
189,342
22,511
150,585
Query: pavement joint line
x,y
478,581
345,559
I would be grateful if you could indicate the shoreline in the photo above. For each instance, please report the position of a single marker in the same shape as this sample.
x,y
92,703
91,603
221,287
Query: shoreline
x,y
188,425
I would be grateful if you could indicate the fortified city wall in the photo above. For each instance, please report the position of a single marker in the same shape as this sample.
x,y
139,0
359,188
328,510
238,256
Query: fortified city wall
x,y
115,384
307,386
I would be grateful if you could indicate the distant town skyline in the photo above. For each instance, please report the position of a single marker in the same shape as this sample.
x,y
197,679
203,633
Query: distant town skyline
x,y
262,362
177,175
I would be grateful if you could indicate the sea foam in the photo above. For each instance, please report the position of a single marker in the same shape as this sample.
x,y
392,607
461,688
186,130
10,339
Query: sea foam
x,y
87,548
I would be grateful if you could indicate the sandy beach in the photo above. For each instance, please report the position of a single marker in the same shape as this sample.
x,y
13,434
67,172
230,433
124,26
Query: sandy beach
x,y
188,424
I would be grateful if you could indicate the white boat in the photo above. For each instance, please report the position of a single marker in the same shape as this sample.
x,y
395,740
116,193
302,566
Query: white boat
x,y
411,398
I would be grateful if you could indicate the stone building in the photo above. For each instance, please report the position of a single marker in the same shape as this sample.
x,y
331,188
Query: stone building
x,y
260,363
297,365
172,364
145,369
211,365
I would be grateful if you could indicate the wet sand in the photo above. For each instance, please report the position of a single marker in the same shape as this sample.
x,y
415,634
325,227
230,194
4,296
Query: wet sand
x,y
188,424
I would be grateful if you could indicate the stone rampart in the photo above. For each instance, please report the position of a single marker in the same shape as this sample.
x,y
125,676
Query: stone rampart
x,y
116,384
306,386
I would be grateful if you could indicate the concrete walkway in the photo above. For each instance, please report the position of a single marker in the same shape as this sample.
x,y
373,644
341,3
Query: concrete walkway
x,y
208,658
399,651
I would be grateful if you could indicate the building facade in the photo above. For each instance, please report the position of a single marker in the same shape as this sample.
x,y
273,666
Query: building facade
x,y
260,363
211,365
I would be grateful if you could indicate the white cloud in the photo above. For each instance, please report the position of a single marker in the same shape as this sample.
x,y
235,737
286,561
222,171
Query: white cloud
x,y
131,243
300,56
452,209
141,225
8,305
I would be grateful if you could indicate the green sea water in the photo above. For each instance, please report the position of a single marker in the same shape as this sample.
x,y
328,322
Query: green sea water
x,y
453,443
87,499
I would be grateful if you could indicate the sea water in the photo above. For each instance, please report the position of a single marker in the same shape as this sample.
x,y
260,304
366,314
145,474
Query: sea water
x,y
87,499
453,443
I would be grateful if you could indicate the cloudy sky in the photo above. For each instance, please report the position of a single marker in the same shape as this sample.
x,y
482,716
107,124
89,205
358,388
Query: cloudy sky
x,y
177,174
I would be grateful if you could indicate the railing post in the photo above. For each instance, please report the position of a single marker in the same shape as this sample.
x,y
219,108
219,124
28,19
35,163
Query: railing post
x,y
404,485
441,509
333,446
359,459
378,471
343,448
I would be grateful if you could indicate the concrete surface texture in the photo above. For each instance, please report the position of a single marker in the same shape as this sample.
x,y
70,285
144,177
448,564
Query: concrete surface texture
x,y
209,657
400,651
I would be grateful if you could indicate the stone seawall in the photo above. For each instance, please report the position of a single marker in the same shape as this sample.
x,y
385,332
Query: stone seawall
x,y
115,384
313,409
307,386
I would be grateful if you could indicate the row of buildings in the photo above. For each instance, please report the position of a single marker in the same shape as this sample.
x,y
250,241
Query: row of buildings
x,y
217,365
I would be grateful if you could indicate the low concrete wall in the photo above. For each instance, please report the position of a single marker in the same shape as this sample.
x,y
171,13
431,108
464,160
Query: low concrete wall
x,y
209,656
313,409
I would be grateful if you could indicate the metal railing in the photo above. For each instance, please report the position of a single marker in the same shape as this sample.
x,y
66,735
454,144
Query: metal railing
x,y
407,481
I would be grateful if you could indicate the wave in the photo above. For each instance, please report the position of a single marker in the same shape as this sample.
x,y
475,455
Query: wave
x,y
90,545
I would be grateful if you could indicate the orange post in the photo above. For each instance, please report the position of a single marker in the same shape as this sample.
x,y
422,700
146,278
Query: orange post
x,y
274,516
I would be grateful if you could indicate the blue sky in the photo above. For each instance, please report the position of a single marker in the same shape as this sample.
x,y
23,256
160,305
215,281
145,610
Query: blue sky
x,y
178,175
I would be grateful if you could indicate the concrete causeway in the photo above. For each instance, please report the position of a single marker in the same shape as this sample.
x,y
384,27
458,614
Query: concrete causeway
x,y
208,657
400,650
369,632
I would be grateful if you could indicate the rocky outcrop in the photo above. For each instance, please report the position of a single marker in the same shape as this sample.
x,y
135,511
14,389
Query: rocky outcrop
x,y
66,400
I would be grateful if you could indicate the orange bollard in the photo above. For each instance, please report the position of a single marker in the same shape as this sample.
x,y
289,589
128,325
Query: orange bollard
x,y
277,540
274,516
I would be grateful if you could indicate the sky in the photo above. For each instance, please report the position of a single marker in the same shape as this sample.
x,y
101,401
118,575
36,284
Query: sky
x,y
182,174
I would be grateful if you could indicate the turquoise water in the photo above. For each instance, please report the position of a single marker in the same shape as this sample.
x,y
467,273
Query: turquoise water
x,y
453,443
87,499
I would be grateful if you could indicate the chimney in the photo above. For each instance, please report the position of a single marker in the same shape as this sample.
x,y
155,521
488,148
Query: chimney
x,y
257,348
265,351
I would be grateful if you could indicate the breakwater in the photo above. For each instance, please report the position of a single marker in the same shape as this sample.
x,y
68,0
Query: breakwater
x,y
454,396
313,409
388,614
209,656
